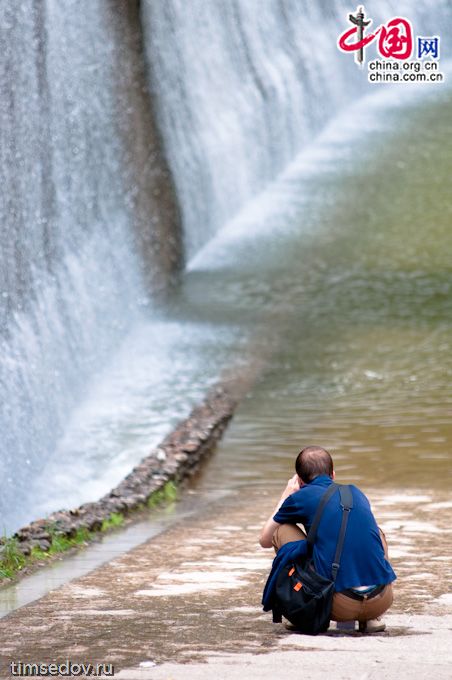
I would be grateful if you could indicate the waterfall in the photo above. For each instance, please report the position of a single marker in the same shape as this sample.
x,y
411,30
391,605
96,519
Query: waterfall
x,y
243,85
119,121
89,226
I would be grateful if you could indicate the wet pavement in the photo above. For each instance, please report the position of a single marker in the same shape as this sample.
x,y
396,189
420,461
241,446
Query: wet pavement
x,y
193,594
106,547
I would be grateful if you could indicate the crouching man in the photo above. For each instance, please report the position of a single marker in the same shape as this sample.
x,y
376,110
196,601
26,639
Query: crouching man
x,y
363,590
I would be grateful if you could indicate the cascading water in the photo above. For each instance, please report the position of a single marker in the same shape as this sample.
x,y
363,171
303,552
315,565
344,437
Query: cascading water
x,y
89,221
243,85
87,209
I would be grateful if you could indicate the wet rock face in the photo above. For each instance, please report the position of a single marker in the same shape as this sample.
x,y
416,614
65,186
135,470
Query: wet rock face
x,y
79,143
175,459
89,219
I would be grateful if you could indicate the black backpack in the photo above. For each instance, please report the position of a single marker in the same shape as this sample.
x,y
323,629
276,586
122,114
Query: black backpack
x,y
302,595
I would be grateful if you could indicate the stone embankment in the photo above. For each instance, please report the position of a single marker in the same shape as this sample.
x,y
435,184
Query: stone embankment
x,y
174,460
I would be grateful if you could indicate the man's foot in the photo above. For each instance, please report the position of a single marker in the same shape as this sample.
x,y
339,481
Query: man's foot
x,y
372,626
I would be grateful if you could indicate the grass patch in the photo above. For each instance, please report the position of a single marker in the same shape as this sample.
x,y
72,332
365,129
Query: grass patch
x,y
116,519
11,558
60,543
83,536
37,555
167,494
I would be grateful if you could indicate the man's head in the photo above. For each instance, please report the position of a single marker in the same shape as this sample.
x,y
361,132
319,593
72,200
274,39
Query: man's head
x,y
313,461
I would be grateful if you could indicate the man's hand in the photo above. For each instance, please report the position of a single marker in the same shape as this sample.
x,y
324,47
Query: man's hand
x,y
270,527
292,485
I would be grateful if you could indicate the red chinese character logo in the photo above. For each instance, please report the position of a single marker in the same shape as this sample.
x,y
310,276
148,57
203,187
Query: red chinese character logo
x,y
396,39
357,31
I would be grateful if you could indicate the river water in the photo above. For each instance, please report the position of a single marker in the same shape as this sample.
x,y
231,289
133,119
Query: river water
x,y
354,294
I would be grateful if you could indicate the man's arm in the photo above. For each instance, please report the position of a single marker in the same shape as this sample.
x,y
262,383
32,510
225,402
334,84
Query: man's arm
x,y
270,526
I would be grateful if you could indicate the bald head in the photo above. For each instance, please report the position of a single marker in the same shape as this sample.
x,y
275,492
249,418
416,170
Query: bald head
x,y
313,461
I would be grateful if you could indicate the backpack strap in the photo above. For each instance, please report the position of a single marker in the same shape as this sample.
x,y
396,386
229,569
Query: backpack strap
x,y
346,505
318,515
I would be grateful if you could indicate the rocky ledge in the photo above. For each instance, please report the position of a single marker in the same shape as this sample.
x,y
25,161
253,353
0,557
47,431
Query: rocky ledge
x,y
174,460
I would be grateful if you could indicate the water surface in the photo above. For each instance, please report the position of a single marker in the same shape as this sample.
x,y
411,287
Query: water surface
x,y
356,287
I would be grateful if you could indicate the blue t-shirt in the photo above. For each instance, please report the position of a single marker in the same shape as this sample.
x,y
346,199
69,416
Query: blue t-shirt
x,y
363,561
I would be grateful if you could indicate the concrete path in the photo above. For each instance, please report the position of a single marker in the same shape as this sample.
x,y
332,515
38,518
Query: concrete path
x,y
186,604
417,648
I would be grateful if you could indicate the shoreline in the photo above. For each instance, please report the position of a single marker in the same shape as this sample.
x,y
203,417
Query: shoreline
x,y
151,483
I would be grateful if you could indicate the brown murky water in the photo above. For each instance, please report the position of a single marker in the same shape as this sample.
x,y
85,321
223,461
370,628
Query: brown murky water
x,y
358,294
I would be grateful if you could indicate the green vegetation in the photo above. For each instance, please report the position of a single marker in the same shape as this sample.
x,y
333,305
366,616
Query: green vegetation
x,y
167,494
37,555
60,543
12,560
116,519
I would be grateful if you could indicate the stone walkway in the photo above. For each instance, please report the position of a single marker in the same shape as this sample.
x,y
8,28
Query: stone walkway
x,y
186,604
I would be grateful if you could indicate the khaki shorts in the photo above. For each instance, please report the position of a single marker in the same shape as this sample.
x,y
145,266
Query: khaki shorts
x,y
344,608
